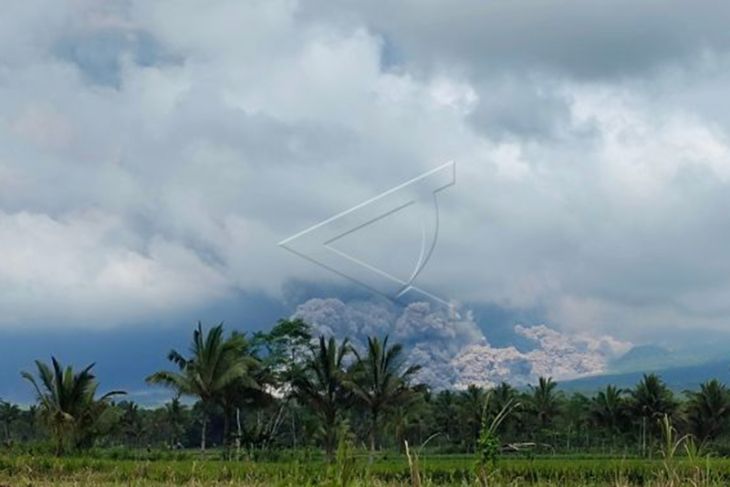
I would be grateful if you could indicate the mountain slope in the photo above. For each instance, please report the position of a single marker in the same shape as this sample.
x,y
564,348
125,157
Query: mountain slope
x,y
677,378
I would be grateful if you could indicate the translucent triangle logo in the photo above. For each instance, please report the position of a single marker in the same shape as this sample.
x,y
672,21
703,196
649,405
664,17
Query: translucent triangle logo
x,y
418,196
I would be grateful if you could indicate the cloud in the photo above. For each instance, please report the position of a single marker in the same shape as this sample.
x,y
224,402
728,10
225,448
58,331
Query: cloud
x,y
47,261
597,39
453,351
160,150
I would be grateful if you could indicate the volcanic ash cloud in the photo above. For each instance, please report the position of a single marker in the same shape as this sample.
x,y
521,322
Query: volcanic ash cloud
x,y
452,348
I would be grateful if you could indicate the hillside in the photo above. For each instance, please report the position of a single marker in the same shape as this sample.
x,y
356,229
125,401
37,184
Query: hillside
x,y
677,378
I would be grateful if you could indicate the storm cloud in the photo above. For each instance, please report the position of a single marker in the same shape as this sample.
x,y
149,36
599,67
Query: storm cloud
x,y
152,154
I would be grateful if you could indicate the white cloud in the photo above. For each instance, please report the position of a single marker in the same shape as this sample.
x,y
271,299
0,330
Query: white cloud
x,y
79,271
590,186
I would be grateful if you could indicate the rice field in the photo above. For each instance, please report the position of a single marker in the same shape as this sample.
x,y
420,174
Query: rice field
x,y
436,470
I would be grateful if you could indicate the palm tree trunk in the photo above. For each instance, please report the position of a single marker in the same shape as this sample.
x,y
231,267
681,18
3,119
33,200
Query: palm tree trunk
x,y
239,433
59,442
203,431
330,425
373,434
226,431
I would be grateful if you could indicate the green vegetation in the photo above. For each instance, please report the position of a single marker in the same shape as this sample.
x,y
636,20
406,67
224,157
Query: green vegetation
x,y
68,406
286,408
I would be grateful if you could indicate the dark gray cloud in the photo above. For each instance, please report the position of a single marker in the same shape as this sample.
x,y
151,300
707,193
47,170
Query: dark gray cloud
x,y
518,108
152,154
594,39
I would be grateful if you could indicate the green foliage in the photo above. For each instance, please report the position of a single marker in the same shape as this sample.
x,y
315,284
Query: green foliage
x,y
319,384
287,400
380,380
9,413
545,402
652,399
708,410
344,470
216,371
609,410
282,343
452,471
69,407
489,445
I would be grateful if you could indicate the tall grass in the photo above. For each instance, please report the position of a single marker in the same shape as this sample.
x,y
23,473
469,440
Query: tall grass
x,y
351,470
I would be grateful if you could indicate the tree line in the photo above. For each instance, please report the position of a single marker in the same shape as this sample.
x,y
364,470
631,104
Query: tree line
x,y
287,389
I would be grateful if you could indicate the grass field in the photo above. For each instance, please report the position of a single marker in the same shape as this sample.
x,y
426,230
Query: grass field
x,y
446,470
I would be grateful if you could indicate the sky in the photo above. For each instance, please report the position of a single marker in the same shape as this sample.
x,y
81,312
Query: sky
x,y
153,154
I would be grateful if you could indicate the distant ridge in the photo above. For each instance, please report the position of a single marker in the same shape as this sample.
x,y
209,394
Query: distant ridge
x,y
647,357
677,378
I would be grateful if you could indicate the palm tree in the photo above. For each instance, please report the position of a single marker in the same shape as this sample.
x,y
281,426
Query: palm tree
x,y
68,405
651,400
500,397
9,413
545,401
608,410
575,418
708,410
320,385
214,365
472,403
246,390
380,380
31,418
407,420
444,410
174,414
131,422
